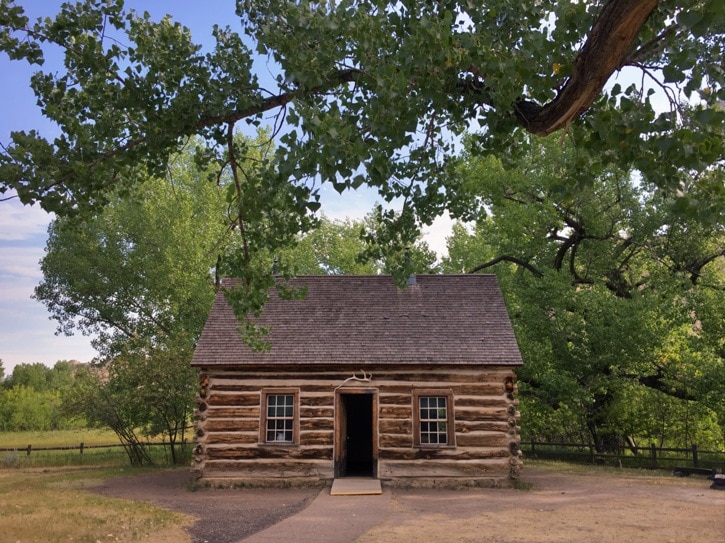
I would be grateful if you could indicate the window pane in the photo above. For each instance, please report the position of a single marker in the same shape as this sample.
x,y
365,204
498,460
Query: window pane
x,y
433,420
280,418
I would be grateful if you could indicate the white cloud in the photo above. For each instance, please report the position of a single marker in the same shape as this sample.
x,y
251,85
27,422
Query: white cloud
x,y
435,235
19,223
20,263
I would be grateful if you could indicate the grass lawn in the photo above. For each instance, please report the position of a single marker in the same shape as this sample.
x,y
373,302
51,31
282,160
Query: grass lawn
x,y
47,505
19,441
57,438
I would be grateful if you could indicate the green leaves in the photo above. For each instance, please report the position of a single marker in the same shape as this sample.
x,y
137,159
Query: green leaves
x,y
612,290
367,94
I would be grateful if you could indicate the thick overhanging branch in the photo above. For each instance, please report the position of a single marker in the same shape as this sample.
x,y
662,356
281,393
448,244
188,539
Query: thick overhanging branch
x,y
657,382
605,51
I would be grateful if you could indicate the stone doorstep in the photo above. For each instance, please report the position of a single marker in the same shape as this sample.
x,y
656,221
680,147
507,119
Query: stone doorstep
x,y
355,486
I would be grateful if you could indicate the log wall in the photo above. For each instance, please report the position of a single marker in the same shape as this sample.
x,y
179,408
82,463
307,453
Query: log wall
x,y
485,450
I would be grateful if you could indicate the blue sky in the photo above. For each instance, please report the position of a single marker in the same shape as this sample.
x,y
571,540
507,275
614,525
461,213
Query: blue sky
x,y
26,332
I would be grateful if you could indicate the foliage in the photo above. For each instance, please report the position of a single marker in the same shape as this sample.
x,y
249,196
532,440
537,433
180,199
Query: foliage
x,y
139,275
141,267
156,383
31,398
24,408
106,403
371,93
342,248
617,299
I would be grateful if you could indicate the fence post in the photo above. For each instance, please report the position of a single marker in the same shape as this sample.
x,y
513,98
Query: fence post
x,y
30,448
694,454
82,447
653,455
533,448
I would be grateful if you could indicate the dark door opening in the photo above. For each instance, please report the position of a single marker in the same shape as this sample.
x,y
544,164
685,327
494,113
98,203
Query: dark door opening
x,y
357,456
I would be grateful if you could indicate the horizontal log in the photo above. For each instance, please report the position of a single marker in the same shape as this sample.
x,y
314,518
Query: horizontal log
x,y
231,425
485,426
395,426
487,414
494,467
233,413
229,399
263,469
395,440
266,452
396,412
317,424
489,388
483,401
316,438
395,399
316,412
302,376
457,453
483,439
227,387
233,438
317,401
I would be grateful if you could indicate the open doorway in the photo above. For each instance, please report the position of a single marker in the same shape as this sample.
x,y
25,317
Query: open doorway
x,y
356,453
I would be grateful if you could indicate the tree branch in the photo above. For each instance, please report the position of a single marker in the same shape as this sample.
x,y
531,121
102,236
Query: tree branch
x,y
507,258
604,52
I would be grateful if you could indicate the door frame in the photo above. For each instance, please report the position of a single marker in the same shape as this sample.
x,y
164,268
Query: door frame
x,y
340,452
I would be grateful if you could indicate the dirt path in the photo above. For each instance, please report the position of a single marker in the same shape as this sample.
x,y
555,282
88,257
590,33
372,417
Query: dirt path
x,y
591,508
224,515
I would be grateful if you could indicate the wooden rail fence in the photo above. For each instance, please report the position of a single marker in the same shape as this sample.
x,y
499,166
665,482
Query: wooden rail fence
x,y
647,457
82,447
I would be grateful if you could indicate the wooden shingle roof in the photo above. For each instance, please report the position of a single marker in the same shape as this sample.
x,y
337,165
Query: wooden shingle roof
x,y
367,320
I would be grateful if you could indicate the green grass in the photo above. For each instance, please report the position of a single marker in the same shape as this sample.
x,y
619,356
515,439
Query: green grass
x,y
571,468
114,456
54,505
57,438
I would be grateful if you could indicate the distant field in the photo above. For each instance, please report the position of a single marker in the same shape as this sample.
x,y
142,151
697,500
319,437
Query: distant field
x,y
57,438
111,456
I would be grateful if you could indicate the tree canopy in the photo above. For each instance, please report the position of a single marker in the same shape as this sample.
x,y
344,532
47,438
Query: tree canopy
x,y
617,299
370,93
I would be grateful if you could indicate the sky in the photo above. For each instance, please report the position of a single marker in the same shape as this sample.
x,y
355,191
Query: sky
x,y
27,334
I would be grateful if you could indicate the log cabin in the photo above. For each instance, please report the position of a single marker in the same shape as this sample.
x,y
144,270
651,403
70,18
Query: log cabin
x,y
414,386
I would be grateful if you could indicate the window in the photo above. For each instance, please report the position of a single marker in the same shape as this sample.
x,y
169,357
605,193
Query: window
x,y
279,417
433,413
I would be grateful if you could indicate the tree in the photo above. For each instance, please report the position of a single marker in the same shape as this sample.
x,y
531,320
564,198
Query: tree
x,y
31,398
147,389
141,267
615,295
142,275
35,376
372,93
2,370
345,248
105,401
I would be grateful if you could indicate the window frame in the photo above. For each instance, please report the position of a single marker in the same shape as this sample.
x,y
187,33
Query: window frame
x,y
266,393
450,417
